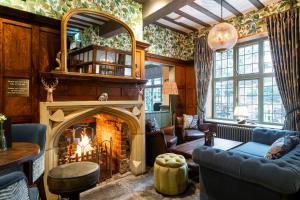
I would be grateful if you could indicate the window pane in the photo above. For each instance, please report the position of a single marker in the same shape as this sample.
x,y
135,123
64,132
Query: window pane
x,y
148,99
223,100
248,59
156,94
157,81
149,82
268,68
273,108
224,64
248,96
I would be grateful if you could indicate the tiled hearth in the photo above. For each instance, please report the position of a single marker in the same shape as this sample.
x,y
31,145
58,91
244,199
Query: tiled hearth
x,y
119,121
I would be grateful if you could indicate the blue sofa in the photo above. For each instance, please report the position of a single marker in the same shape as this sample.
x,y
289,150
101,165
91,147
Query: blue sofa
x,y
244,173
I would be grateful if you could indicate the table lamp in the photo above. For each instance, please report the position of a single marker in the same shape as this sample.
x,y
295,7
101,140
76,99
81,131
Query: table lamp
x,y
241,113
170,88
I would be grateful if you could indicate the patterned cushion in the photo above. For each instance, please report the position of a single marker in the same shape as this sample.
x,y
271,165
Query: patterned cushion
x,y
38,167
282,146
18,190
151,125
190,121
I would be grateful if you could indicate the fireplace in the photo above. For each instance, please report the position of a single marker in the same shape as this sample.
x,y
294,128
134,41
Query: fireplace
x,y
101,138
72,124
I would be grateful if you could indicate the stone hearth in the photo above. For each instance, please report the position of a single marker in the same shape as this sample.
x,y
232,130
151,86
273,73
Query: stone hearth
x,y
60,115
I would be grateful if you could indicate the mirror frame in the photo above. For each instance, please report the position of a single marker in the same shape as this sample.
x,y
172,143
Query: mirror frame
x,y
64,23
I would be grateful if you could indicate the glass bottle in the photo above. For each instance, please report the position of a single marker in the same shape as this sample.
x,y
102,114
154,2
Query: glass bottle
x,y
3,146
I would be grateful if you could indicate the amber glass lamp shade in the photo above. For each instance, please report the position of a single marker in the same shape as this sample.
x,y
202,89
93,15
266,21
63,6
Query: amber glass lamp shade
x,y
222,37
170,88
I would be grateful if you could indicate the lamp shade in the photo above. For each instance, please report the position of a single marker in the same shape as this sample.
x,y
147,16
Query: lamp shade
x,y
170,88
241,111
222,36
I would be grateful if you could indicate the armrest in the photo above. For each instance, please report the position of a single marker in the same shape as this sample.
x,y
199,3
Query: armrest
x,y
10,179
255,170
268,136
168,130
208,126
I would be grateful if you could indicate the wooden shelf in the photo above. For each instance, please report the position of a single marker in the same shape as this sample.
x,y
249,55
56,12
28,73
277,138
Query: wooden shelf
x,y
91,77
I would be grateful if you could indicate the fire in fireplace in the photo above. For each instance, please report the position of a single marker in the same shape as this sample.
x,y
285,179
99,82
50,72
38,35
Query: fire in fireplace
x,y
101,138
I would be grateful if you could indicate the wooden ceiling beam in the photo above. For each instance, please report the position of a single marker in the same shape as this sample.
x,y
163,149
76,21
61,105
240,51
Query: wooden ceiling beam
x,y
79,24
92,17
84,21
180,23
205,11
190,17
169,8
229,7
259,5
168,27
72,26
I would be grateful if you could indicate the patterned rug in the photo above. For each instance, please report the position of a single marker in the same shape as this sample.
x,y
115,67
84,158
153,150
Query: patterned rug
x,y
130,187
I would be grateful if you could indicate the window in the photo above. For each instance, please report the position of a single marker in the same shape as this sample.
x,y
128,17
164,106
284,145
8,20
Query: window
x,y
244,76
153,93
153,87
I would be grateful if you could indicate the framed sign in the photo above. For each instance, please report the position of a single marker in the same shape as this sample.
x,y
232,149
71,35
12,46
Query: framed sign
x,y
17,87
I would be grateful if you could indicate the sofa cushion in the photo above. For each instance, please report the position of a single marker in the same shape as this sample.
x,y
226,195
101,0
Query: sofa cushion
x,y
190,121
171,140
192,134
252,149
281,146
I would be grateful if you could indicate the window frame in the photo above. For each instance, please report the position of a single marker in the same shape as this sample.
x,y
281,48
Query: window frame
x,y
260,75
152,86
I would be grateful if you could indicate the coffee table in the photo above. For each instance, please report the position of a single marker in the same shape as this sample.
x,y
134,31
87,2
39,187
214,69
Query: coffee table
x,y
186,149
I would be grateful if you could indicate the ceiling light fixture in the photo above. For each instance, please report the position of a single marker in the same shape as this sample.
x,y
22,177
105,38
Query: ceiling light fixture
x,y
222,36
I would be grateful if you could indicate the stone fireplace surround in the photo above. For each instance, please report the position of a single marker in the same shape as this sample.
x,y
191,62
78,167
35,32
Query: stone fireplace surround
x,y
60,115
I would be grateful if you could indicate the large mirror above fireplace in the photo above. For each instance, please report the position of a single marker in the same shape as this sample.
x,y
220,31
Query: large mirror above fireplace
x,y
96,44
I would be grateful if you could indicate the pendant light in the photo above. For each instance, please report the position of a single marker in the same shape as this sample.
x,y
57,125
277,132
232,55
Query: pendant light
x,y
222,36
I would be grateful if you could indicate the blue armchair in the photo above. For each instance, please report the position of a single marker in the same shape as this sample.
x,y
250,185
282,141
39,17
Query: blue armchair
x,y
34,133
244,173
14,186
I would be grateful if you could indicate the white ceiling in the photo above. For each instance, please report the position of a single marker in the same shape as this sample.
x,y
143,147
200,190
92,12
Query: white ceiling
x,y
208,12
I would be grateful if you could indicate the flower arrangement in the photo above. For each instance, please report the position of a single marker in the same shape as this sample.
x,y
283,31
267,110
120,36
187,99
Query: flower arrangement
x,y
2,119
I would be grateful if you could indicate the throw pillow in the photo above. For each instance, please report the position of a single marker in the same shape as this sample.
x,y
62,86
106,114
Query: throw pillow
x,y
282,146
151,125
190,121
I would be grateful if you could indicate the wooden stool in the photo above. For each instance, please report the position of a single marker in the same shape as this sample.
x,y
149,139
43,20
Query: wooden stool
x,y
69,180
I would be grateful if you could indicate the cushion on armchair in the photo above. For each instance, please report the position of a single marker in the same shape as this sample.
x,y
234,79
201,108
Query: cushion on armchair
x,y
190,121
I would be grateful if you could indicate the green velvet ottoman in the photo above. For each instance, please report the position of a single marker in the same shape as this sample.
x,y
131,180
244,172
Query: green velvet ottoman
x,y
170,174
69,180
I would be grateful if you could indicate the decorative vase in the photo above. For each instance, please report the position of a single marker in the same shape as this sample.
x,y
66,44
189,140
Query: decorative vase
x,y
3,146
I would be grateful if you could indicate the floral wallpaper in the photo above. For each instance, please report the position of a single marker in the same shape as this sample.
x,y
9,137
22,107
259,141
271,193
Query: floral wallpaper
x,y
163,41
90,36
168,43
128,11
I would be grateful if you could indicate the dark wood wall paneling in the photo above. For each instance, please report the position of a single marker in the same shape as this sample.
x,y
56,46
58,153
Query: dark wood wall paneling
x,y
186,102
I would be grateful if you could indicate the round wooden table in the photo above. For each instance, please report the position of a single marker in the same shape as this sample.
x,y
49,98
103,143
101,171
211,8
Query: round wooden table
x,y
18,154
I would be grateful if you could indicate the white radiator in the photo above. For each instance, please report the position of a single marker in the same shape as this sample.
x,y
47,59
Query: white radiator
x,y
234,132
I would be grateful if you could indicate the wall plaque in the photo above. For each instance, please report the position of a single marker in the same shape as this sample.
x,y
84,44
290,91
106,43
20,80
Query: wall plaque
x,y
17,87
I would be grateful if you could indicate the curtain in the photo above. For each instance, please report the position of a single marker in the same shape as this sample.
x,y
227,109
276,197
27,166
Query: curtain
x,y
283,31
203,67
